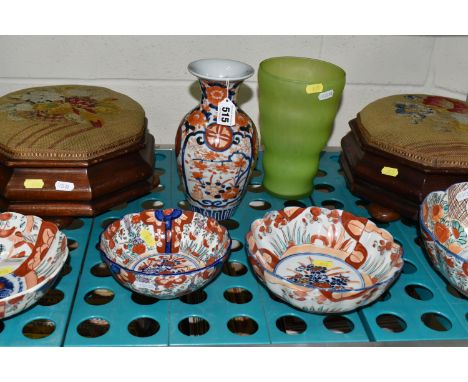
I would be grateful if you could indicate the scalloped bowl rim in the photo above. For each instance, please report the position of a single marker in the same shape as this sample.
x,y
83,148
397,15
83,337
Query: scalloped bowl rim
x,y
33,216
51,275
426,229
41,284
218,260
386,281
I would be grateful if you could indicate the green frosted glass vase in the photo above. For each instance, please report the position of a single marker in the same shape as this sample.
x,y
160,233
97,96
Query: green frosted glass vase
x,y
298,98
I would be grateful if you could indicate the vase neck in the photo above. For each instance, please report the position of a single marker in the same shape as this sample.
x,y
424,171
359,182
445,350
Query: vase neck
x,y
213,92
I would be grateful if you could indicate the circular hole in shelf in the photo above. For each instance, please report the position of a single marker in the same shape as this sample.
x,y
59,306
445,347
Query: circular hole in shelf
x,y
361,204
66,268
101,270
159,156
386,296
194,326
233,268
152,204
99,296
75,224
159,188
338,324
332,204
72,244
236,245
256,173
52,297
184,205
107,221
193,298
291,325
2,326
419,292
391,323
260,205
93,327
335,157
141,299
238,295
418,241
324,188
180,187
143,327
436,321
39,328
242,325
455,293
321,173
256,188
340,171
159,171
409,268
120,206
294,203
229,223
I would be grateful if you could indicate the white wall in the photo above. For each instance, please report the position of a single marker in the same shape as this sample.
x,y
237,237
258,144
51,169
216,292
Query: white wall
x,y
152,69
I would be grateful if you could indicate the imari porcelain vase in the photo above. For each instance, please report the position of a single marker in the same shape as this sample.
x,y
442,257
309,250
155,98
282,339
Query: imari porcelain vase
x,y
298,100
214,158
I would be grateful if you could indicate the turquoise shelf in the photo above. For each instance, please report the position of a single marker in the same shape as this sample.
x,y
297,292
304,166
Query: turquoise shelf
x,y
235,309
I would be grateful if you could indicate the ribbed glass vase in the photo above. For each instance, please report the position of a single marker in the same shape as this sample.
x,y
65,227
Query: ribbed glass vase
x,y
299,99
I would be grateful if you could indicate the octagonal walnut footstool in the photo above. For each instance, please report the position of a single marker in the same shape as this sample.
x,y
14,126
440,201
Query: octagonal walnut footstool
x,y
72,150
403,147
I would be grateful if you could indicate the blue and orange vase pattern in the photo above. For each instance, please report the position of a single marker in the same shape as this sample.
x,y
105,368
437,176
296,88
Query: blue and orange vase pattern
x,y
215,161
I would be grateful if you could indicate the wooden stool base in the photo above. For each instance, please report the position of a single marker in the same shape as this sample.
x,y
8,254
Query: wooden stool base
x,y
98,186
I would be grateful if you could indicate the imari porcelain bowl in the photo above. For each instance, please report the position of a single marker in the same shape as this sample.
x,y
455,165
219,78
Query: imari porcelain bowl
x,y
323,261
444,234
32,253
165,253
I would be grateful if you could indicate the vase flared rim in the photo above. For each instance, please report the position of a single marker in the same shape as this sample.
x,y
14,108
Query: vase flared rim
x,y
217,69
305,59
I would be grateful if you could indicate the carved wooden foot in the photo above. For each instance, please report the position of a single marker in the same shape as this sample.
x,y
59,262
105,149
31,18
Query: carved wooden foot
x,y
382,214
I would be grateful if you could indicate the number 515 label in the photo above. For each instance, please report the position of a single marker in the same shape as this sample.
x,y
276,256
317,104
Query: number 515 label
x,y
226,113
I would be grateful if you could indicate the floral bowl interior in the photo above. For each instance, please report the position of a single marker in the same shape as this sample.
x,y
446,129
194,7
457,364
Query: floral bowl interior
x,y
442,216
165,242
31,251
324,249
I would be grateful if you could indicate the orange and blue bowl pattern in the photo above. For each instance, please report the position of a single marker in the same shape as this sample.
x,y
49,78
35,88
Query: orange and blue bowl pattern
x,y
445,239
323,261
32,253
165,253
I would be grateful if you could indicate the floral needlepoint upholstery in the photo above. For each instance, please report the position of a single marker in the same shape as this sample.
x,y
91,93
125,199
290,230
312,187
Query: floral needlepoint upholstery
x,y
68,122
425,129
